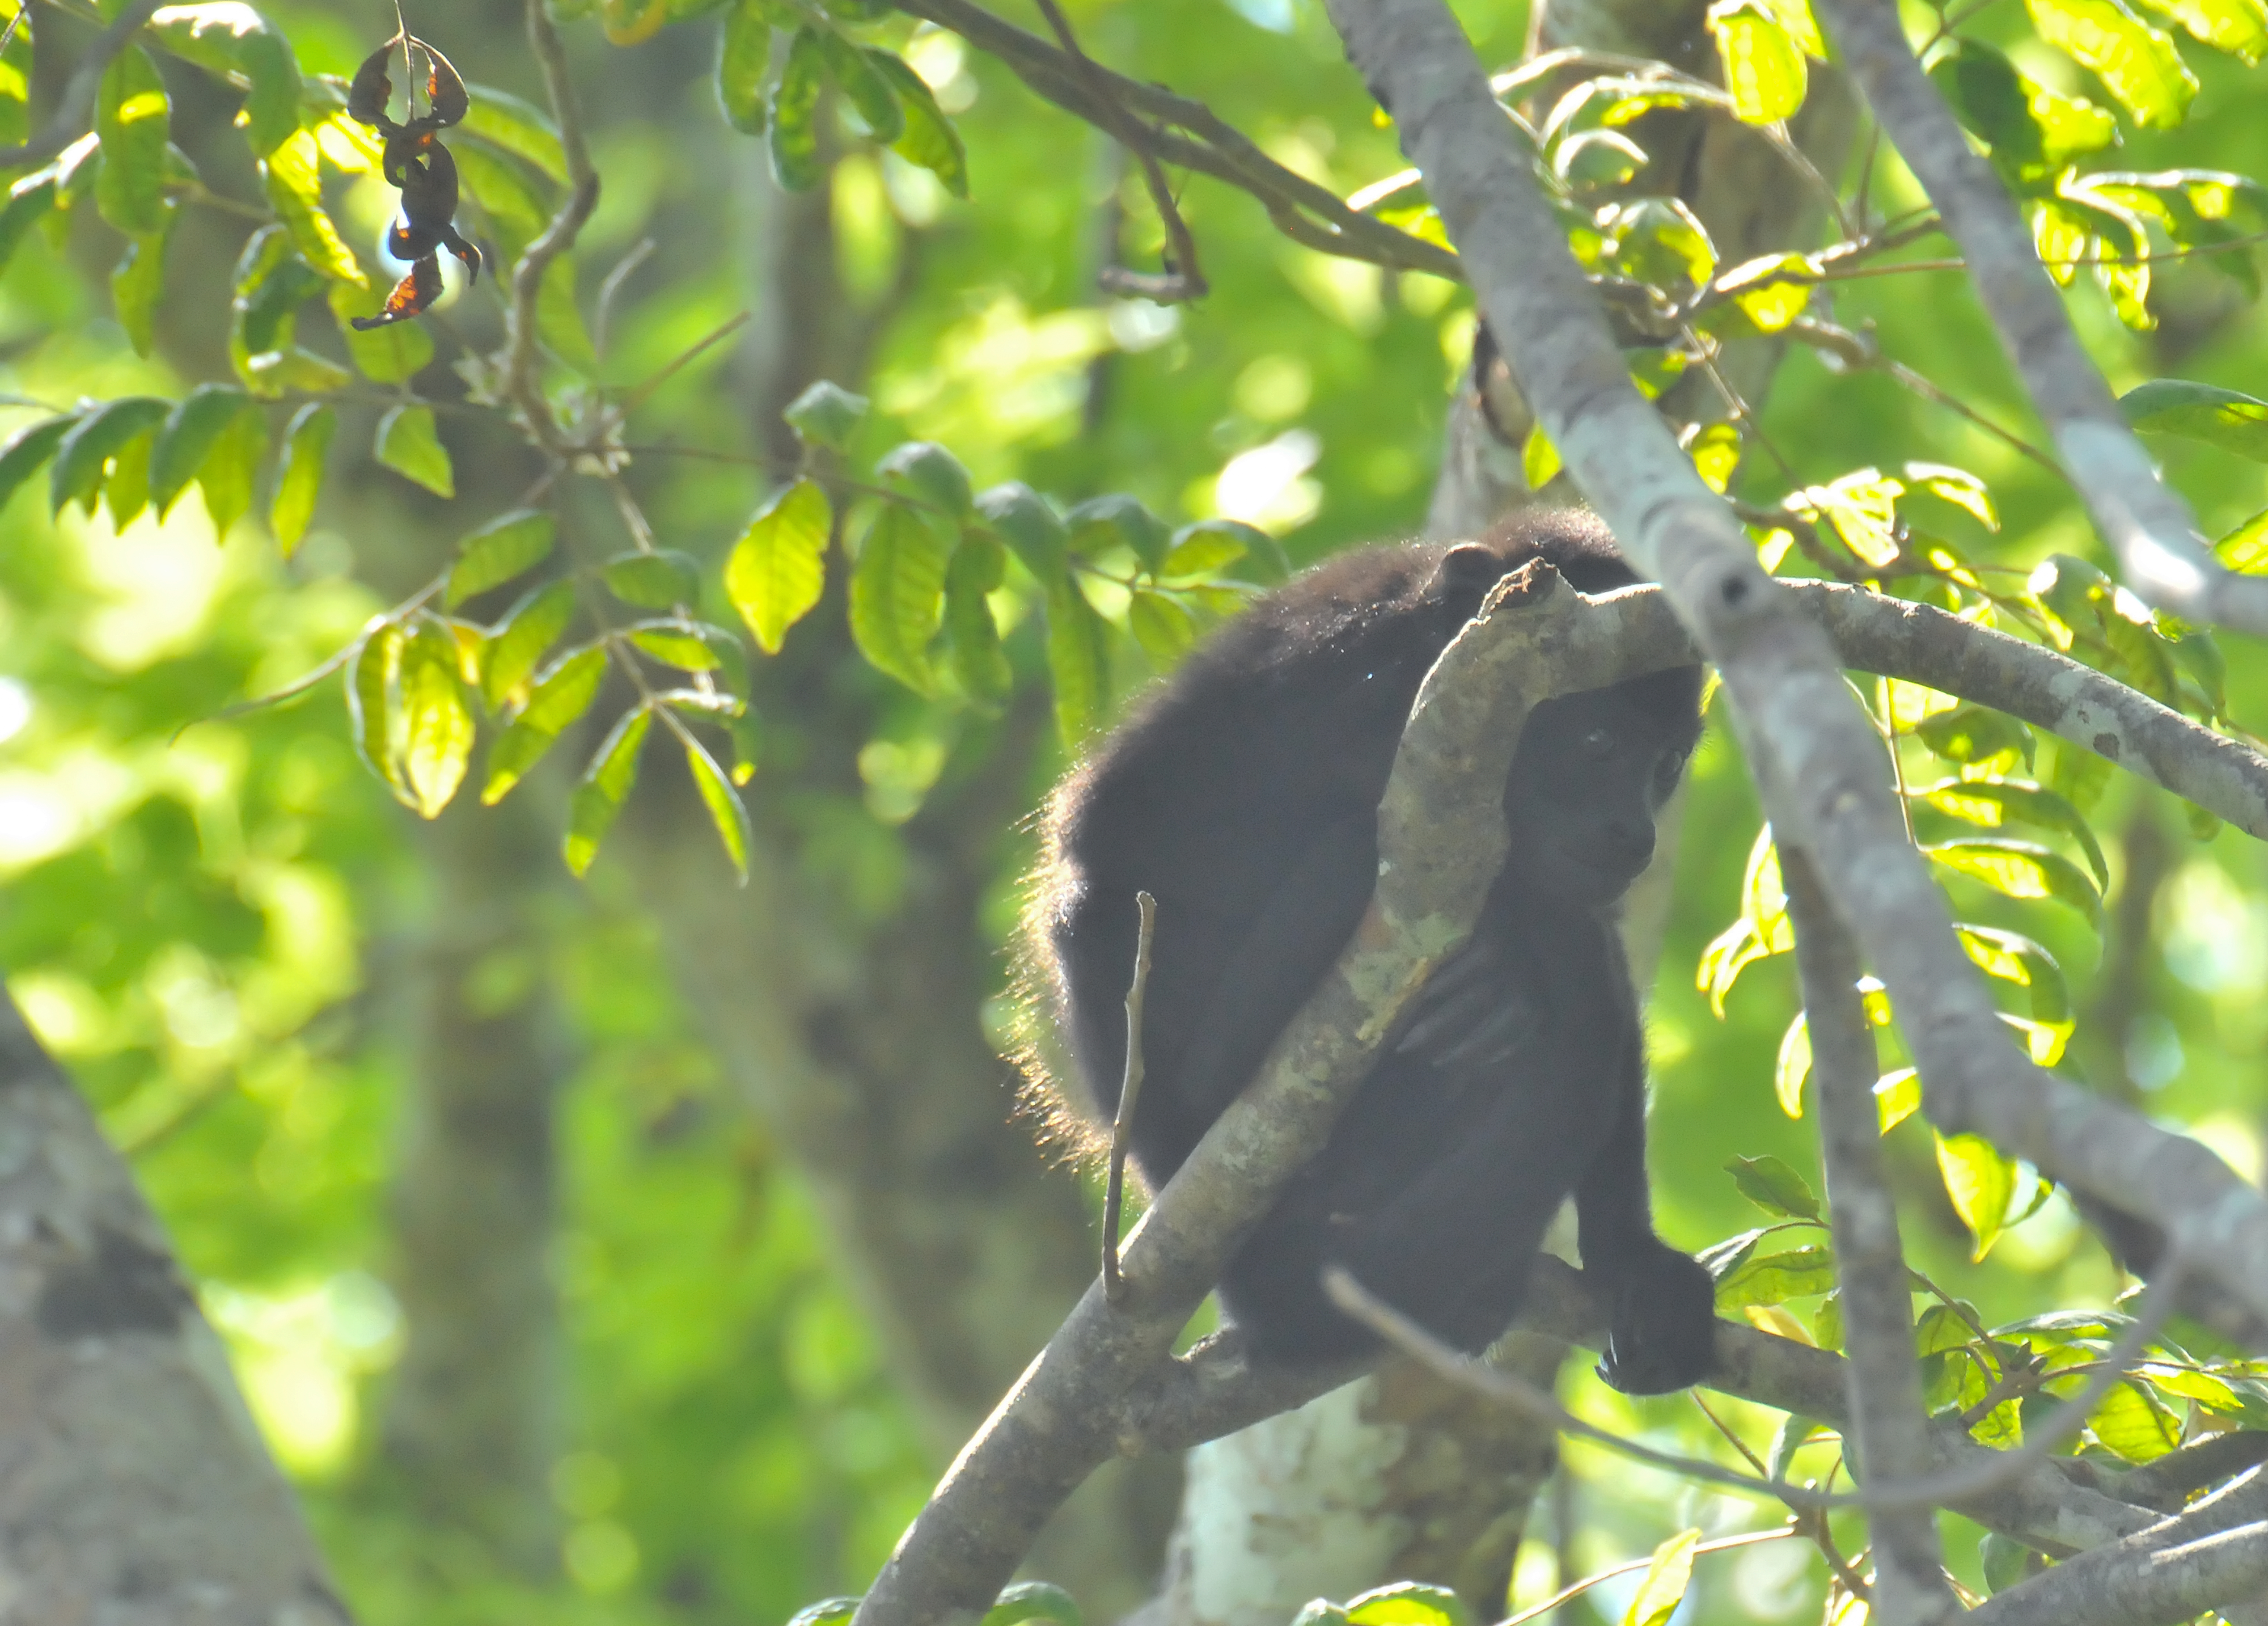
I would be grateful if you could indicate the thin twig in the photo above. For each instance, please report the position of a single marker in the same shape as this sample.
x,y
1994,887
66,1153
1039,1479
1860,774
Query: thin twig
x,y
1182,280
1722,1544
640,252
521,373
1309,213
76,111
1122,1123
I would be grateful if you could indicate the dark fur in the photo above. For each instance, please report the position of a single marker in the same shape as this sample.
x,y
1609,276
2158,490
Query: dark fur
x,y
1243,795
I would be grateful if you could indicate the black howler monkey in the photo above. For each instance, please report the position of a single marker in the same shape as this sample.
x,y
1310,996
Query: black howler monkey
x,y
1243,795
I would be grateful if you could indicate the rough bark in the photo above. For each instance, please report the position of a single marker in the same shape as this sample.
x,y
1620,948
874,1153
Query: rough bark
x,y
134,1490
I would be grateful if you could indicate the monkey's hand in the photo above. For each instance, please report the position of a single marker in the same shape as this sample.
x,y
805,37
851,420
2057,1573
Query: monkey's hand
x,y
1662,1327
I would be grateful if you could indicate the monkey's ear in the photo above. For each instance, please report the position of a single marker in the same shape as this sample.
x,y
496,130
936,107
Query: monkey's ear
x,y
1470,567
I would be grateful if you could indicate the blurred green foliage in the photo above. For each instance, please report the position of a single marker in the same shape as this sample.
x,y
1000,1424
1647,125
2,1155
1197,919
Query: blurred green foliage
x,y
206,914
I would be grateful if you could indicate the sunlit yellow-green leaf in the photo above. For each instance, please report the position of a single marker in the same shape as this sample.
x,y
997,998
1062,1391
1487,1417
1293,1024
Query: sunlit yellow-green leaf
x,y
226,37
437,725
744,58
294,181
1898,1097
777,571
1077,659
1980,1182
796,163
1763,65
393,354
15,78
230,469
2239,27
187,439
561,694
2022,870
85,453
1667,1577
518,644
1539,459
607,784
1791,1067
138,284
2137,63
725,808
979,664
373,712
2134,1424
512,125
408,445
299,475
929,138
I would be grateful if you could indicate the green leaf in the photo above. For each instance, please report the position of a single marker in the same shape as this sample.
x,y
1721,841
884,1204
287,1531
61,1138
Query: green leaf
x,y
190,433
1775,1278
520,127
777,571
408,445
2239,27
796,163
226,37
373,713
1773,1186
85,453
130,116
1407,1603
394,354
926,473
29,447
1205,549
1666,1581
138,282
1791,1067
561,694
299,474
607,784
2134,1424
127,490
2137,64
518,644
2022,870
1992,803
2012,958
1022,519
869,94
1034,1600
826,414
725,808
1077,659
294,181
1826,1322
930,141
1539,459
976,569
1980,740
662,579
1160,626
230,469
897,590
1981,1183
15,80
1763,68
437,725
1102,524
504,192
744,56
26,207
676,643
505,547
2222,417
826,1611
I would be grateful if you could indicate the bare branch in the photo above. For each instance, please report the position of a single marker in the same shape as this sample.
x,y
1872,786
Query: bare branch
x,y
2146,522
523,381
1129,1092
1814,750
1870,1264
1308,213
75,113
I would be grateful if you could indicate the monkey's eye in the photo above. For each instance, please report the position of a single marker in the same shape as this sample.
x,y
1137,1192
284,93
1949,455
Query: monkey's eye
x,y
1666,770
1598,742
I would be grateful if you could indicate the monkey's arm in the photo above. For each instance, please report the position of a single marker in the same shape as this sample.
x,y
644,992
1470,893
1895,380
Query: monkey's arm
x,y
1663,1308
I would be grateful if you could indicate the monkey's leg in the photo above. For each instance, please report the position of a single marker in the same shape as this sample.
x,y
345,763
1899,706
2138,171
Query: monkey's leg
x,y
1661,1303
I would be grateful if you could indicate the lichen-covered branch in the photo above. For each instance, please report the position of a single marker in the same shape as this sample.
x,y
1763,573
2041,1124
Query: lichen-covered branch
x,y
2145,521
1812,747
1888,1417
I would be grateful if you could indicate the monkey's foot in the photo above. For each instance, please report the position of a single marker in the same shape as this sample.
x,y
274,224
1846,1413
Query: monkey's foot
x,y
1663,1331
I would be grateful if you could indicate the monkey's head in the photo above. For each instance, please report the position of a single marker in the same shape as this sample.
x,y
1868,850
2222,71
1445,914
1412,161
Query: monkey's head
x,y
1593,769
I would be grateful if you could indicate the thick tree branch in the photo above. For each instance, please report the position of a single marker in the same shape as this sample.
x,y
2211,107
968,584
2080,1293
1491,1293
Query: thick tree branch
x,y
2145,520
1890,1422
1813,747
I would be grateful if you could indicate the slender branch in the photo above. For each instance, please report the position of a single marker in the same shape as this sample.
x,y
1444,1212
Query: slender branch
x,y
2146,522
1311,214
1182,280
1722,1544
1130,1090
74,114
522,378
